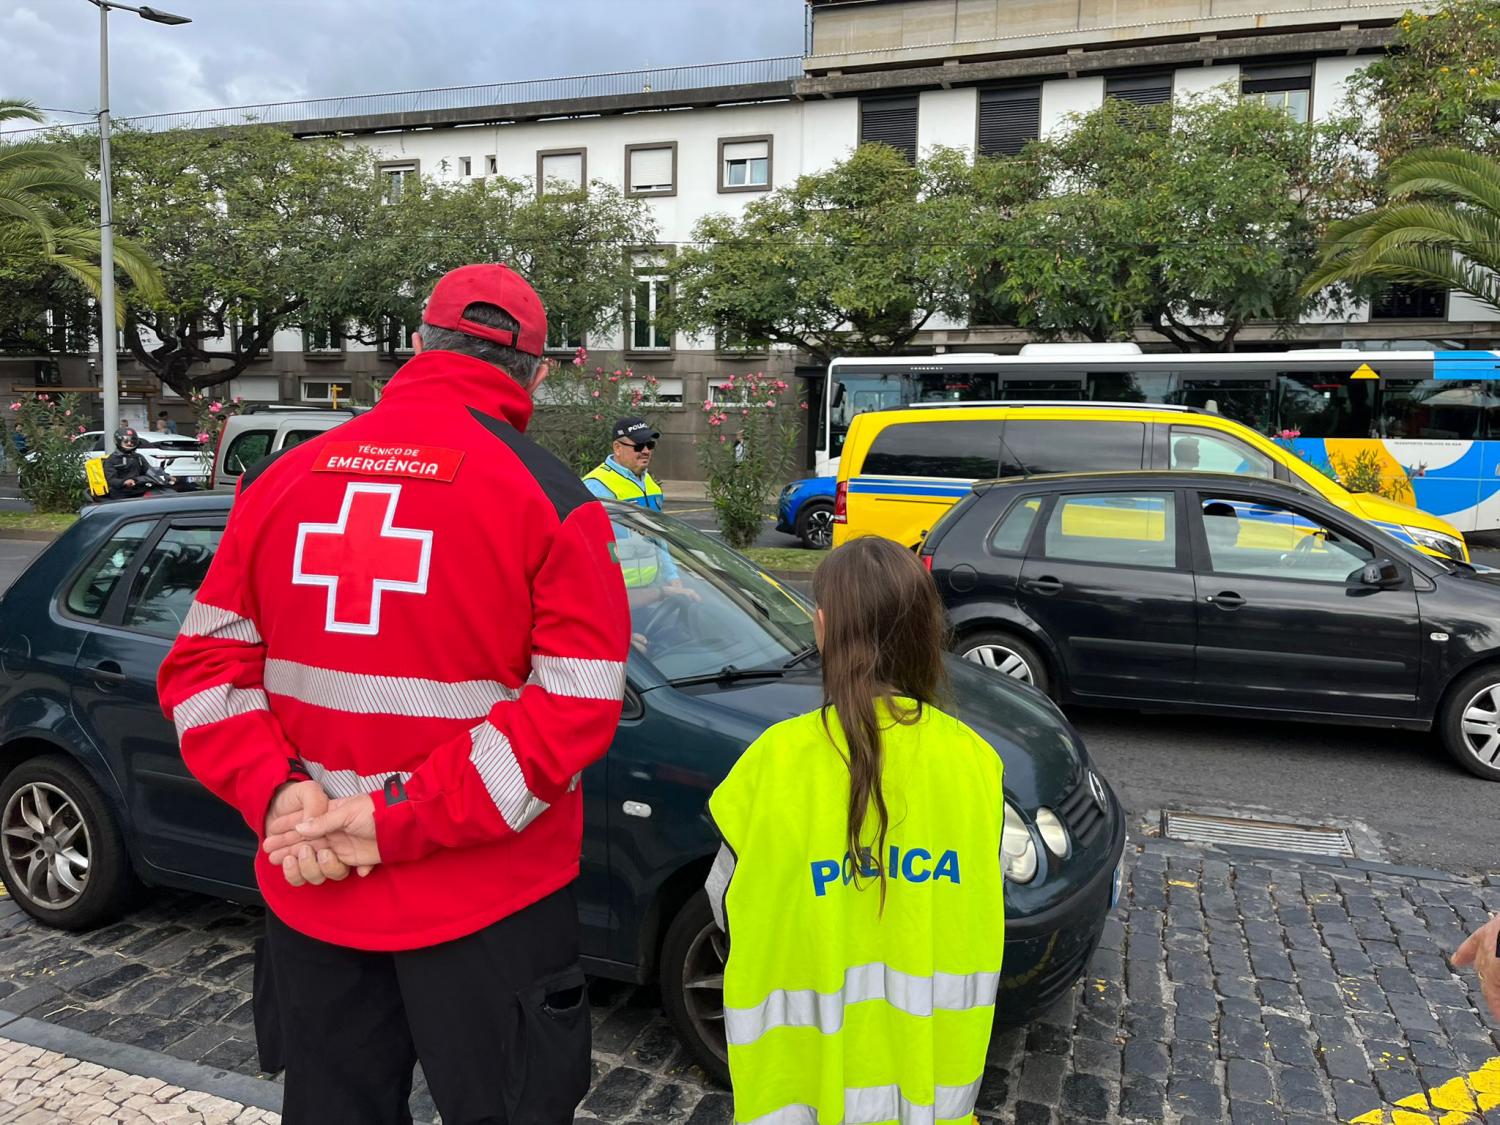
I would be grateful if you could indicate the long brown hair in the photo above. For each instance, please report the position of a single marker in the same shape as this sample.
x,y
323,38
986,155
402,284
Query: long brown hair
x,y
882,637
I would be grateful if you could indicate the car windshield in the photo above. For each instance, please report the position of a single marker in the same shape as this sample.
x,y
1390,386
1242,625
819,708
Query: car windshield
x,y
697,607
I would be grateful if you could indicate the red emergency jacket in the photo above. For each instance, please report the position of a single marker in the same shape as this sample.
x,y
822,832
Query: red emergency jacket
x,y
421,604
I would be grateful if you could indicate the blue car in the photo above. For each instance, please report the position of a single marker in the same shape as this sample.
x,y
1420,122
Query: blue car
x,y
94,796
805,510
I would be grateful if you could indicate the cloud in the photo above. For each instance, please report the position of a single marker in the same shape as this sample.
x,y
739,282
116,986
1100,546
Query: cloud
x,y
248,51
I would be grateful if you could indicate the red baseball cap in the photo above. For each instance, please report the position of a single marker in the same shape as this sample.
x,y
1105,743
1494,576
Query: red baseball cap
x,y
489,284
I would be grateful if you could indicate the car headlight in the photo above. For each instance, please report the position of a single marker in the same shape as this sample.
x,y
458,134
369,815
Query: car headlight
x,y
1017,849
1053,833
1445,545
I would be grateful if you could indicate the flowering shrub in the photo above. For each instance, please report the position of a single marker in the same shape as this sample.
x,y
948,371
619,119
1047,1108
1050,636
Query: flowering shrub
x,y
749,452
578,404
210,415
1364,472
48,458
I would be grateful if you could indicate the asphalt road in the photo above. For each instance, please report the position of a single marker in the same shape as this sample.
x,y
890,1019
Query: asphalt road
x,y
1395,786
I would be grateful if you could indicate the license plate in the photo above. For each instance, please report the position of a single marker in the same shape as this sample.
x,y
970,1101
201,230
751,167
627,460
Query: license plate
x,y
1117,884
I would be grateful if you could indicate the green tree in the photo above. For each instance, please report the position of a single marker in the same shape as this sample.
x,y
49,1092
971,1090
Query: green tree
x,y
1439,228
1192,219
49,233
1438,85
854,259
572,247
244,223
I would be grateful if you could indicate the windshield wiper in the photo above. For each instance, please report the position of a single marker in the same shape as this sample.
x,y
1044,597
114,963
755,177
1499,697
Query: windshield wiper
x,y
730,674
800,655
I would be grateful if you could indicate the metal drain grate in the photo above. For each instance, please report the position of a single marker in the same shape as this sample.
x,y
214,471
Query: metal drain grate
x,y
1200,829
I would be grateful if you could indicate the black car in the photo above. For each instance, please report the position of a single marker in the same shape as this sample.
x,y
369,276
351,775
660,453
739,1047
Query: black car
x,y
94,794
1236,595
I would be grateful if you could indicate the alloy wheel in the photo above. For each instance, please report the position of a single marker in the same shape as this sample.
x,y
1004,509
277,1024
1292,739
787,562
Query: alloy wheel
x,y
45,844
820,529
1481,725
703,988
1003,660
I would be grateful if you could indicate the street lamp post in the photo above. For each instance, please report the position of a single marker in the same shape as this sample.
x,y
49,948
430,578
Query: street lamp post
x,y
109,372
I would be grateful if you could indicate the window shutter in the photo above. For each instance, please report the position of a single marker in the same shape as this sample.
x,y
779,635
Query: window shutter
x,y
745,150
1150,89
890,121
650,169
1008,119
567,168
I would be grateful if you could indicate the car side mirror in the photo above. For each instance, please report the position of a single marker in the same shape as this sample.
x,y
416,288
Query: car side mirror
x,y
1381,574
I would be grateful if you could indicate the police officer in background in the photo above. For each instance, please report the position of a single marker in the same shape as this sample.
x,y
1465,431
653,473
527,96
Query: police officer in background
x,y
128,473
625,473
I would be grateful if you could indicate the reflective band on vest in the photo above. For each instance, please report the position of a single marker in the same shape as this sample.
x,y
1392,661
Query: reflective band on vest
x,y
872,1105
623,487
916,996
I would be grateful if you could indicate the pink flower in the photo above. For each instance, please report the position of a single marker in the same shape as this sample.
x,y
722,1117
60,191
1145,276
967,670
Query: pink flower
x,y
802,406
238,399
595,394
203,439
15,406
721,439
215,407
83,429
614,378
67,414
1287,435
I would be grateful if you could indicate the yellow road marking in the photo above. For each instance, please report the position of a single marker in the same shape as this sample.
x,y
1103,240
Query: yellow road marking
x,y
1181,883
1456,1102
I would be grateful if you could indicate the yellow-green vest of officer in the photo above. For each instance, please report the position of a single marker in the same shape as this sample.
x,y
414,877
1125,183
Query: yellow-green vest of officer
x,y
640,558
837,1011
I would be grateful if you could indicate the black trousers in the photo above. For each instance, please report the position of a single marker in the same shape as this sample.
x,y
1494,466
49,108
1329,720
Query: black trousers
x,y
499,1020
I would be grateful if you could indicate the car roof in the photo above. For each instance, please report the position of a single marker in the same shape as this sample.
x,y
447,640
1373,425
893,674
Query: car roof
x,y
176,504
1161,478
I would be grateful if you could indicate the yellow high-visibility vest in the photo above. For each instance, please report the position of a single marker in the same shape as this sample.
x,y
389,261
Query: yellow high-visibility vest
x,y
836,1012
627,488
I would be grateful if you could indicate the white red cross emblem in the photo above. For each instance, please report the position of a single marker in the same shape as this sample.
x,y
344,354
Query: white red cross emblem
x,y
362,557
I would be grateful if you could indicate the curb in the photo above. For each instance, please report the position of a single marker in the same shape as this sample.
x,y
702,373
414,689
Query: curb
x,y
29,535
1239,851
257,1092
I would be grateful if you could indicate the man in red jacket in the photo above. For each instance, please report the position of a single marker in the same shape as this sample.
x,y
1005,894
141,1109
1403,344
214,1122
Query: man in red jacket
x,y
410,645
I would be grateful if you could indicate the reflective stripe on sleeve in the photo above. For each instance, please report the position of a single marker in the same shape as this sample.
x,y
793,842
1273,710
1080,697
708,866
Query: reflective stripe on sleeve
x,y
205,620
578,677
503,780
361,693
717,884
870,1105
348,783
216,704
916,996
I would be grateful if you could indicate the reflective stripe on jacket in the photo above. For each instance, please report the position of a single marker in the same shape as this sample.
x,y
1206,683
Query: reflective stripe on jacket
x,y
623,486
837,1011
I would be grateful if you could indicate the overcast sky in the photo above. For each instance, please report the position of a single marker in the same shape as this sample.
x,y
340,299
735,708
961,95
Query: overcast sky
x,y
246,51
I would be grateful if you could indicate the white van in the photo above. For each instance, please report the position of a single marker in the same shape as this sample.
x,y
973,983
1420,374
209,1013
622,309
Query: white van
x,y
261,431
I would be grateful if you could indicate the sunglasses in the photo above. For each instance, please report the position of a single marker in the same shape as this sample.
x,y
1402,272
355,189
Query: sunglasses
x,y
639,446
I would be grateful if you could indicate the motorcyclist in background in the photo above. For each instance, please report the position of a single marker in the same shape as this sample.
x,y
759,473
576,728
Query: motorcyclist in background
x,y
128,473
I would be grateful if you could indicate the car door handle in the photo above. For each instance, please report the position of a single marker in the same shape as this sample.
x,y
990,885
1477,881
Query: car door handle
x,y
107,672
1046,585
1227,600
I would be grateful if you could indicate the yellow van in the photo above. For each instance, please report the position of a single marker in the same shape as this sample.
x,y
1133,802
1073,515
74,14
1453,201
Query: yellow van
x,y
902,469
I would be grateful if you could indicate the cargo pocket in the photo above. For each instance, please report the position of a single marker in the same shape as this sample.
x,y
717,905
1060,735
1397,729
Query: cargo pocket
x,y
267,1013
548,1071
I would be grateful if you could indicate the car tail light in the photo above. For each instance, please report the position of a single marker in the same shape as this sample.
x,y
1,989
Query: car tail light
x,y
927,562
841,502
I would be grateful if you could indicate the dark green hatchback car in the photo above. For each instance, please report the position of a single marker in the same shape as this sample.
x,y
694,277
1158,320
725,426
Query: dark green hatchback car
x,y
94,795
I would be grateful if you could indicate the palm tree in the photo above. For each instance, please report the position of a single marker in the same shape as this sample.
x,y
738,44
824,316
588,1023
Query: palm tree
x,y
36,178
1440,228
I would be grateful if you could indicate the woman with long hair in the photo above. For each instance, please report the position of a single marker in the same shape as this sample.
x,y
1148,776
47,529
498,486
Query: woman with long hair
x,y
860,880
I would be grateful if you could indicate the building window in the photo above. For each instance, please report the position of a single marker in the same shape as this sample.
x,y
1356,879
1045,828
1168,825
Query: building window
x,y
398,335
491,165
467,164
245,326
734,342
561,338
744,163
1142,89
722,393
668,391
326,390
326,338
1287,88
64,335
648,304
651,169
1008,119
890,121
561,170
399,177
1410,302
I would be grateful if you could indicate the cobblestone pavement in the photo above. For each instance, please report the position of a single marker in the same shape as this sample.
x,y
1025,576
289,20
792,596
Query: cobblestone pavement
x,y
1230,986
39,1087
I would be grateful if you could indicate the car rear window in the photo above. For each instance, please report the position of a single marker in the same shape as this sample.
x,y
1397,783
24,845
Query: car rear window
x,y
169,579
90,593
1039,445
966,450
